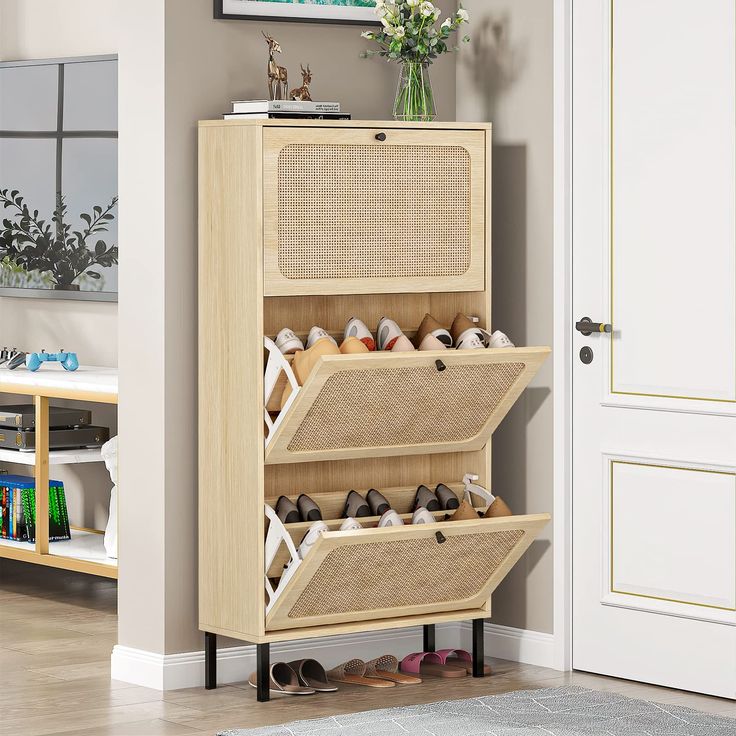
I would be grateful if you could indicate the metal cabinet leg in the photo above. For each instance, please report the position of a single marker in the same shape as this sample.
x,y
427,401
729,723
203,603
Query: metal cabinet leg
x,y
429,641
263,672
478,648
210,660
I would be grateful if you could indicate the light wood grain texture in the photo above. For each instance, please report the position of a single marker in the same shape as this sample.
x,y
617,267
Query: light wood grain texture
x,y
62,563
337,124
466,584
231,529
42,474
346,388
336,476
341,180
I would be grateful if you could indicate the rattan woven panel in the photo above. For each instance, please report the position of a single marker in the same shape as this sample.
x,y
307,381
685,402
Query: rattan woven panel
x,y
402,574
355,211
404,406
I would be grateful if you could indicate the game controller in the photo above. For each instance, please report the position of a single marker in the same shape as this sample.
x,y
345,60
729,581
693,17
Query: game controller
x,y
68,361
17,359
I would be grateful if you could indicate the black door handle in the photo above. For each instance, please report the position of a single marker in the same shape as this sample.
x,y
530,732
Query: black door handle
x,y
586,326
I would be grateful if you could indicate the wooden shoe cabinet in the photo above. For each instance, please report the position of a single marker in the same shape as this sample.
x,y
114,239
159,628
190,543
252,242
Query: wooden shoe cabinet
x,y
305,223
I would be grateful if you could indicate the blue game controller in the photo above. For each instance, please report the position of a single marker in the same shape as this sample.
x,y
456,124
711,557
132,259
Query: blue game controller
x,y
68,360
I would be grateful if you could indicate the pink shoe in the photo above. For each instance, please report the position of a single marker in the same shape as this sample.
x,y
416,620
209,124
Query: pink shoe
x,y
430,342
402,344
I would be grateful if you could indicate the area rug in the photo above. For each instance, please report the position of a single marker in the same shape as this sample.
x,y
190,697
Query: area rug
x,y
560,711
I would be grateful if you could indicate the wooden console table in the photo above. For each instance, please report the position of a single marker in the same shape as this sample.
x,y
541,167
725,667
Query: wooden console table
x,y
99,385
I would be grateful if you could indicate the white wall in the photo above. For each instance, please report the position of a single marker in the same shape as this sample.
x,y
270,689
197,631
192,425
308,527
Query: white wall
x,y
505,76
38,29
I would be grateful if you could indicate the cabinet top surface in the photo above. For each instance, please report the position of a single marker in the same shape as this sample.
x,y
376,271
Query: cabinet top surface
x,y
295,123
53,381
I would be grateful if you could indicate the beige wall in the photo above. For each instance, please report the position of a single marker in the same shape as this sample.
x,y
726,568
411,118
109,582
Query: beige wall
x,y
207,63
506,77
30,29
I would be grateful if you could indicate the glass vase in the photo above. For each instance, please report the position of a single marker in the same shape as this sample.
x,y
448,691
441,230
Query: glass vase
x,y
414,97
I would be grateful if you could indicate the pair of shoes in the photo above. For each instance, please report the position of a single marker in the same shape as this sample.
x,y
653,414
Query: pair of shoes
x,y
464,334
305,509
420,516
301,677
380,672
391,337
442,663
442,499
357,339
374,504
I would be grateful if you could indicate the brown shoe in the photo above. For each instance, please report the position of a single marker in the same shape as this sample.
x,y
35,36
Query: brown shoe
x,y
430,326
498,509
464,512
305,360
283,681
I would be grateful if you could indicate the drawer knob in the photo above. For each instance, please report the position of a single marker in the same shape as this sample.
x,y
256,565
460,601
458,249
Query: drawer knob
x,y
380,137
441,538
440,365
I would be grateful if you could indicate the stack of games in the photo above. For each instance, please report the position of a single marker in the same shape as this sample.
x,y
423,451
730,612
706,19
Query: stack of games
x,y
18,509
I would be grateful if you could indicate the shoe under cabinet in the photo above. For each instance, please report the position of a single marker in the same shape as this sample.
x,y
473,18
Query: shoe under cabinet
x,y
308,223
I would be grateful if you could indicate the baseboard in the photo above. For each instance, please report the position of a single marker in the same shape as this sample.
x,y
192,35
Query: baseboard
x,y
516,645
234,664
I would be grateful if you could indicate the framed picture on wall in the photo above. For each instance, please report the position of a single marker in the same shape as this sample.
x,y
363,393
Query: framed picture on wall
x,y
316,11
59,178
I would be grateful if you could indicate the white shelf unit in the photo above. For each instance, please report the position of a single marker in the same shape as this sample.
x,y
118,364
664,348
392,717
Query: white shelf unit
x,y
56,457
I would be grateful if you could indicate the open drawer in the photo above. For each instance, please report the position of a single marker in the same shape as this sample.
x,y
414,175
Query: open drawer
x,y
381,404
403,571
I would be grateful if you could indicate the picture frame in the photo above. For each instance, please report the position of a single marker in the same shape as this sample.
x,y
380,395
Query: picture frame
x,y
359,12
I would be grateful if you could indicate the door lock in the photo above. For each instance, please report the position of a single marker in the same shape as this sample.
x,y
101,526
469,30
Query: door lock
x,y
587,327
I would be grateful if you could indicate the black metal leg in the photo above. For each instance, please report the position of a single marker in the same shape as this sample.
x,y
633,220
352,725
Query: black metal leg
x,y
210,660
263,672
429,642
478,650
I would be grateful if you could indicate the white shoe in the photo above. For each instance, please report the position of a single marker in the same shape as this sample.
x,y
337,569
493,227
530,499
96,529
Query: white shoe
x,y
310,538
471,342
350,525
287,342
388,333
317,333
499,340
357,328
422,516
390,518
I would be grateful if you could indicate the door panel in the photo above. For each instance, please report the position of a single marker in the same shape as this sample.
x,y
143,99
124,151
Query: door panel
x,y
654,431
672,194
339,219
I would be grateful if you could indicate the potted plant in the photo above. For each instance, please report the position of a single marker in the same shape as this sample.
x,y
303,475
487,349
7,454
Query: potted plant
x,y
52,248
410,36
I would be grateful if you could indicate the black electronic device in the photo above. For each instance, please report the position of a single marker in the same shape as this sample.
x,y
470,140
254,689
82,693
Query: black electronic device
x,y
59,439
23,416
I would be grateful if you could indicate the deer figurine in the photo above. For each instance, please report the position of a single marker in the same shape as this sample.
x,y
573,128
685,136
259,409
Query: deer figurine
x,y
278,77
302,93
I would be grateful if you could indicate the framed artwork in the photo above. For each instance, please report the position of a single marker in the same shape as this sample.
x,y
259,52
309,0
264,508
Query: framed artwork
x,y
59,178
316,11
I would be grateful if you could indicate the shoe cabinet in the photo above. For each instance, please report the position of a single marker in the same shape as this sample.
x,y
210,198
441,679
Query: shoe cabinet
x,y
304,223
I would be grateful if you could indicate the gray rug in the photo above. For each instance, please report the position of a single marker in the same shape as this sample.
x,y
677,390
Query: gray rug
x,y
561,711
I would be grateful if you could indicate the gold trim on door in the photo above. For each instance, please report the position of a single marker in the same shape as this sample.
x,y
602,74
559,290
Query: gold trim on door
x,y
611,245
610,533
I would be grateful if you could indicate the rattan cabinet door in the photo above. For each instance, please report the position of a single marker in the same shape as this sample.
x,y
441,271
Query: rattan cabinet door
x,y
349,212
403,571
381,404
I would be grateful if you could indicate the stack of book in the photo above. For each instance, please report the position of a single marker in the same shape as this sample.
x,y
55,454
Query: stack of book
x,y
265,109
18,509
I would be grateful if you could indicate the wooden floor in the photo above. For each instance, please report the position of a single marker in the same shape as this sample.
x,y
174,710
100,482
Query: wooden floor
x,y
57,630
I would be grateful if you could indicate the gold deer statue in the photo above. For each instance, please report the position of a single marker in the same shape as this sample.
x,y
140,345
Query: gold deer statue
x,y
278,77
302,93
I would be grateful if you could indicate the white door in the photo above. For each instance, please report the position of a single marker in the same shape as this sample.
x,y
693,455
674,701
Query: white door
x,y
654,415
